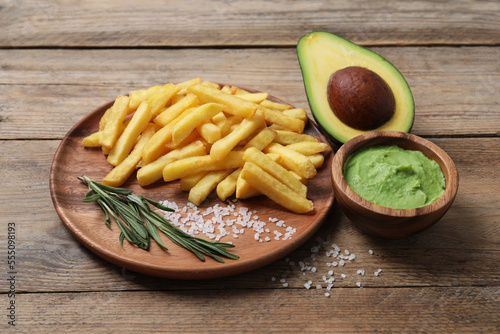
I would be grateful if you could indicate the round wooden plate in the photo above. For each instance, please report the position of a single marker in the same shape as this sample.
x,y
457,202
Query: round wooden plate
x,y
86,221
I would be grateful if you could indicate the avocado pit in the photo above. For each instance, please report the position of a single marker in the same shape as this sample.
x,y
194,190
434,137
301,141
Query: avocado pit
x,y
360,98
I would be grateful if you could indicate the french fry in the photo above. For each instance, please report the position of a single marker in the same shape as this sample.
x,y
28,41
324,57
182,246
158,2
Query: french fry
x,y
274,189
316,159
122,172
223,123
285,137
261,139
185,84
153,171
92,140
253,97
233,104
298,113
274,169
244,189
194,136
188,166
116,116
104,119
195,118
138,96
287,122
159,99
275,105
227,187
170,113
128,138
309,148
155,147
222,147
228,90
204,187
190,181
210,132
210,84
293,160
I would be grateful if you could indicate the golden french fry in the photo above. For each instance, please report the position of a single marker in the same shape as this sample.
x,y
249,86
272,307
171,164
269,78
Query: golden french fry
x,y
166,116
117,115
287,122
284,137
223,146
274,169
190,181
309,148
210,132
261,139
155,147
297,113
92,140
195,118
153,171
187,83
293,160
210,84
188,166
316,159
128,138
233,104
122,172
244,190
159,99
275,105
274,189
204,187
253,97
227,187
140,95
104,119
222,122
228,90
194,136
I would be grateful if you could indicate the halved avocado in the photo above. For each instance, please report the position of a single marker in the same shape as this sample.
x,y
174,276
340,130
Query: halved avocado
x,y
320,55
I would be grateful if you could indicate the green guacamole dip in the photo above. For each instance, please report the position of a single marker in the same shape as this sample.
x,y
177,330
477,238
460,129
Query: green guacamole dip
x,y
393,177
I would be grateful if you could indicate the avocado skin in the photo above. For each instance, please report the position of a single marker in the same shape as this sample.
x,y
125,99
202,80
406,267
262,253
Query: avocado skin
x,y
320,54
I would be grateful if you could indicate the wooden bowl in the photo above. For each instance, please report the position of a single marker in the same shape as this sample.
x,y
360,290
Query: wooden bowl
x,y
387,222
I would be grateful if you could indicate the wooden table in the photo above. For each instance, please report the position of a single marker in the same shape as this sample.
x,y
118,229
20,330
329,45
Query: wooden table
x,y
61,59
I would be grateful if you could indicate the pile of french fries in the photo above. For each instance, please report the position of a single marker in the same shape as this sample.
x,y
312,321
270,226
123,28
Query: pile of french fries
x,y
210,138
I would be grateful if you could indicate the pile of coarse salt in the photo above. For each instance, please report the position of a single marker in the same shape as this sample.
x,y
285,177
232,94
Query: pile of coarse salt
x,y
336,259
219,221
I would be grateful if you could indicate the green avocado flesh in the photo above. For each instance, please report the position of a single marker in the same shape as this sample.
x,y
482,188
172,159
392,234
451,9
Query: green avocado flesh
x,y
320,55
393,177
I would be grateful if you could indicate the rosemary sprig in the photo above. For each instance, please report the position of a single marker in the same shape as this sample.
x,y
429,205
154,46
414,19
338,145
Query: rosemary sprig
x,y
138,223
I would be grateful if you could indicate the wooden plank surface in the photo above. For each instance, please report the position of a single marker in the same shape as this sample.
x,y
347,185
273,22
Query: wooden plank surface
x,y
451,253
242,23
455,89
59,60
436,310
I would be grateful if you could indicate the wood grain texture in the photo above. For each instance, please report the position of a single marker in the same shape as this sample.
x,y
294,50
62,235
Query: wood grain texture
x,y
257,23
456,90
461,250
440,310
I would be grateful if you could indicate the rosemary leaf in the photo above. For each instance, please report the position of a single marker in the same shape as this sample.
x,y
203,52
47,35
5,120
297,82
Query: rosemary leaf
x,y
138,223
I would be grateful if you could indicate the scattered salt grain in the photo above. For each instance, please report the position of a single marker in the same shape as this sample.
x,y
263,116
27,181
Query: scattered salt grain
x,y
327,294
370,251
358,284
378,272
361,272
